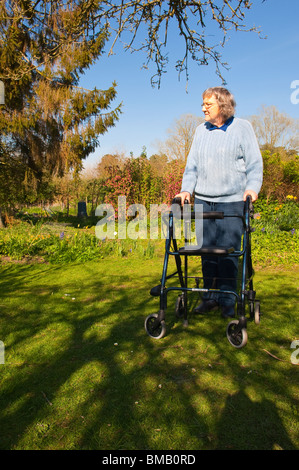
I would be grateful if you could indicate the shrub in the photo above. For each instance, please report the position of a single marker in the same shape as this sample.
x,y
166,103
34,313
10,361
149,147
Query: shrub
x,y
276,237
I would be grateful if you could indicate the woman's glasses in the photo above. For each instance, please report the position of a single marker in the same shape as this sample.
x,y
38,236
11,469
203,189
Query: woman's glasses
x,y
207,105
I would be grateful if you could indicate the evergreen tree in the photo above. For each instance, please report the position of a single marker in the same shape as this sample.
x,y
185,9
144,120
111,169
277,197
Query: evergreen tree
x,y
49,123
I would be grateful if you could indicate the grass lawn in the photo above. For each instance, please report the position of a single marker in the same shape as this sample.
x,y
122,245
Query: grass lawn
x,y
81,373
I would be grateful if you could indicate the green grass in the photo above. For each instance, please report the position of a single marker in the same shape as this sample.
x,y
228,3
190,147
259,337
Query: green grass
x,y
81,373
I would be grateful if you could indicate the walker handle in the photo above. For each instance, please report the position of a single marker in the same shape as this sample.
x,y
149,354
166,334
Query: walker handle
x,y
177,200
249,205
205,215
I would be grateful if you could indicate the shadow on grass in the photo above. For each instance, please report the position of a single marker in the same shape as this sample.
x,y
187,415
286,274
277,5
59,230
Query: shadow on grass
x,y
82,374
256,425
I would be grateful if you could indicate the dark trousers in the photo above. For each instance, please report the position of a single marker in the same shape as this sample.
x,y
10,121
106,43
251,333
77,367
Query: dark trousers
x,y
220,272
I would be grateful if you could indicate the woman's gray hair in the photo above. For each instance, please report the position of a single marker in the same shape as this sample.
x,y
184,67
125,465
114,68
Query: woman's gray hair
x,y
225,100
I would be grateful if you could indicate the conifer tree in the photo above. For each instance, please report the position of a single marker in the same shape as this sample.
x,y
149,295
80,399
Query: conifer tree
x,y
48,121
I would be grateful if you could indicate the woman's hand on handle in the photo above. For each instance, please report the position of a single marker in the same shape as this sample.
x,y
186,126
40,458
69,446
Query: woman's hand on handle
x,y
184,195
251,193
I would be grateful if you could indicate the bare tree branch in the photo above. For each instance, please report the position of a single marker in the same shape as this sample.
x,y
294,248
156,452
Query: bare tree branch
x,y
143,25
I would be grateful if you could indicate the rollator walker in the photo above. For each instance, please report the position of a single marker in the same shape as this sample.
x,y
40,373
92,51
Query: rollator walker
x,y
236,330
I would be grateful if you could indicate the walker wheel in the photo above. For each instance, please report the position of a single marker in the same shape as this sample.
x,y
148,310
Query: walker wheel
x,y
236,336
154,330
179,306
257,313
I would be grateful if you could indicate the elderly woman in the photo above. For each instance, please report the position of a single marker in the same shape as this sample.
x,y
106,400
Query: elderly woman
x,y
224,166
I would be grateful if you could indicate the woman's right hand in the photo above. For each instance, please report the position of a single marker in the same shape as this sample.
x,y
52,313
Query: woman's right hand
x,y
184,195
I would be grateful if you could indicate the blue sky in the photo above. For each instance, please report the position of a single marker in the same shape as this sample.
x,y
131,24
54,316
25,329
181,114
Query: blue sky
x,y
261,72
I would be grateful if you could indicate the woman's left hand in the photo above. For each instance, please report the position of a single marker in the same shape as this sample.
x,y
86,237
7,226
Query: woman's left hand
x,y
251,193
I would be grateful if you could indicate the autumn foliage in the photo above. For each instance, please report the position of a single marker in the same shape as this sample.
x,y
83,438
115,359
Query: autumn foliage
x,y
141,183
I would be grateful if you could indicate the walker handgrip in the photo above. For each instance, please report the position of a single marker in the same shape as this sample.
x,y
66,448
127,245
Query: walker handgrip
x,y
213,215
208,215
250,205
176,200
204,215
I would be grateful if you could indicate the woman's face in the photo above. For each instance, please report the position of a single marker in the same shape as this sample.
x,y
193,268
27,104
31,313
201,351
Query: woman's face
x,y
211,110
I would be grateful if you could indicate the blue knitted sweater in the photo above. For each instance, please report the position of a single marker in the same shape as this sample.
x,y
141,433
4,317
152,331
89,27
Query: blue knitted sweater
x,y
223,162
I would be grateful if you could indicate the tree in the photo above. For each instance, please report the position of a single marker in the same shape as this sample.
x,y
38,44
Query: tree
x,y
178,144
50,123
145,25
149,26
158,164
12,181
108,162
275,129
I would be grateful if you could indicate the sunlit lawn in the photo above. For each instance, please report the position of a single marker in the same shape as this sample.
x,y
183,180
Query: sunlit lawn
x,y
81,373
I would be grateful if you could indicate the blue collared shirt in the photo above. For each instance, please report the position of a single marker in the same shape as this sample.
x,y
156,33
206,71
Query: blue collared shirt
x,y
211,127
